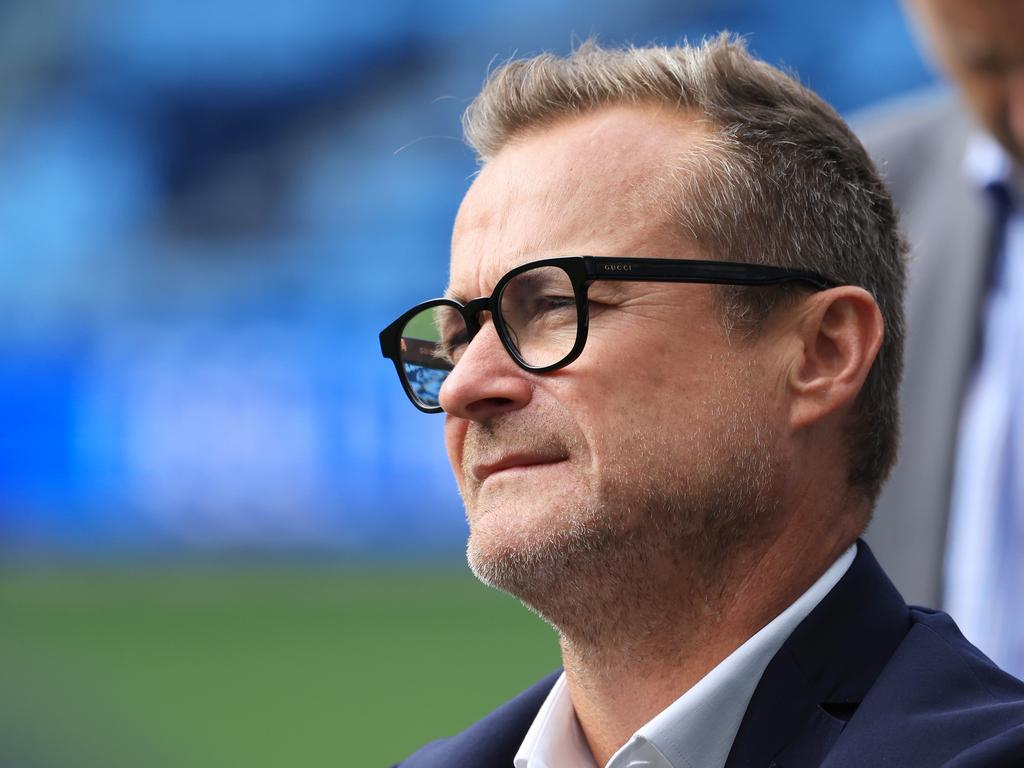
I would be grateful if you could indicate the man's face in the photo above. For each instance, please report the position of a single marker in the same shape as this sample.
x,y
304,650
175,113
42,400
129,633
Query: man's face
x,y
661,423
980,44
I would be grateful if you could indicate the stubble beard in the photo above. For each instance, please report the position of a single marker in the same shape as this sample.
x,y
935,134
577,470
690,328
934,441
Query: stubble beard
x,y
650,542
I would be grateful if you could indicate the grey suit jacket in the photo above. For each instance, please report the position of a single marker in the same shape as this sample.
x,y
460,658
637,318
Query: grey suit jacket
x,y
919,146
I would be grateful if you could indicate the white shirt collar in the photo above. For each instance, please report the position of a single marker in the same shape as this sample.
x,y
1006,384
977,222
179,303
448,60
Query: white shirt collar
x,y
985,161
699,727
555,739
988,165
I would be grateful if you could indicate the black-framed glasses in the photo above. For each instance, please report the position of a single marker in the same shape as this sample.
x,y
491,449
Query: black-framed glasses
x,y
540,312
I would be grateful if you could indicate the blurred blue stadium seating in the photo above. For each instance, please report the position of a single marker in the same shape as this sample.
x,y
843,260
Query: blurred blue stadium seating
x,y
209,210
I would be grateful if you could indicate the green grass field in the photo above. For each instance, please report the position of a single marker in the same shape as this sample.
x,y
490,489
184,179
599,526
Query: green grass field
x,y
175,665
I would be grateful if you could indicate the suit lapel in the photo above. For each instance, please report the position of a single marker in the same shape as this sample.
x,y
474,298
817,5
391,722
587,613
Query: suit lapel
x,y
492,741
823,671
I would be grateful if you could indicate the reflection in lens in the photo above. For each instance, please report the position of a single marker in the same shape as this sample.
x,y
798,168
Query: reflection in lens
x,y
429,343
538,308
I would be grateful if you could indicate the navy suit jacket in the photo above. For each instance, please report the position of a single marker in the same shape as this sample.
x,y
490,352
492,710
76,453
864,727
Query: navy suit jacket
x,y
863,681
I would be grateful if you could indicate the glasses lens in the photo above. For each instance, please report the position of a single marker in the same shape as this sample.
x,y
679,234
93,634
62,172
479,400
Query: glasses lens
x,y
538,308
430,343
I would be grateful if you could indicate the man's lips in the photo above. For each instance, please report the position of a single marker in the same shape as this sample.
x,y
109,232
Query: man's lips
x,y
514,461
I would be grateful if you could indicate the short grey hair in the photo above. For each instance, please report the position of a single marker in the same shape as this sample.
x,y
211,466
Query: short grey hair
x,y
780,180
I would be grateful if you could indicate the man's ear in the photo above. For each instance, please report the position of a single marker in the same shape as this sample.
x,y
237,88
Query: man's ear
x,y
840,331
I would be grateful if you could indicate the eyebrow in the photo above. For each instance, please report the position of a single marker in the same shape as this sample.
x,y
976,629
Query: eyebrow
x,y
455,295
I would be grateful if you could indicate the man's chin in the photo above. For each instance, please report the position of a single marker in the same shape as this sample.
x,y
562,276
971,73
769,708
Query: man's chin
x,y
539,564
506,557
536,576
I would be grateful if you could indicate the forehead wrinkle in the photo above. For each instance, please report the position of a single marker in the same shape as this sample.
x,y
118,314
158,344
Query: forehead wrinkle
x,y
604,190
642,174
490,224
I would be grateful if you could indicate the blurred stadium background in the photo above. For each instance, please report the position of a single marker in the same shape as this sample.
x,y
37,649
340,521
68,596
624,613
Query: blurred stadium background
x,y
226,538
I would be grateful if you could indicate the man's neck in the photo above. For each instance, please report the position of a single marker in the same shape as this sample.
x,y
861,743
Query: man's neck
x,y
658,651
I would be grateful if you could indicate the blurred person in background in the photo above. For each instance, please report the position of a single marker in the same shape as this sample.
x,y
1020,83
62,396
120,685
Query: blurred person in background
x,y
950,525
669,417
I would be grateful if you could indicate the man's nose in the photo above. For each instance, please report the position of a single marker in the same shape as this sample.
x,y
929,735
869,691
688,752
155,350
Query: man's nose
x,y
486,381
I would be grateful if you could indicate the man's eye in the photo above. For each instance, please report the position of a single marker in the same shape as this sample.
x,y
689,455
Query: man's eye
x,y
451,349
553,303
